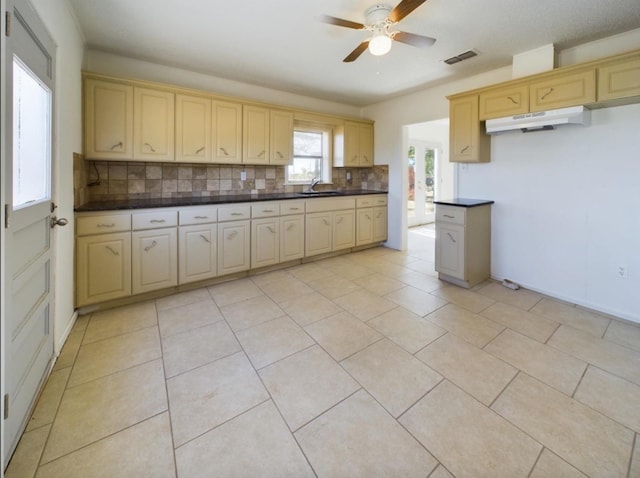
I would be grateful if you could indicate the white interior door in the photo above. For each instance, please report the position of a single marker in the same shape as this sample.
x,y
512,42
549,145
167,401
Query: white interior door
x,y
27,338
421,161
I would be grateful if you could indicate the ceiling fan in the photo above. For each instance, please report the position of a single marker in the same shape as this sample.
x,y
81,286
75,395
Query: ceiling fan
x,y
379,21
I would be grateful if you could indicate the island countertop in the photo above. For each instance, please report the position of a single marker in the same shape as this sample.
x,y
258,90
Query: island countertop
x,y
463,202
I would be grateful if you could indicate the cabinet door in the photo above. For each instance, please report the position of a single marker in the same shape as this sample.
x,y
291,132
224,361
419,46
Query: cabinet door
x,y
103,267
318,233
563,90
255,135
153,125
197,253
619,80
364,226
464,129
379,224
227,132
508,101
154,259
366,145
344,229
450,250
193,129
281,141
108,120
265,242
234,254
291,237
351,144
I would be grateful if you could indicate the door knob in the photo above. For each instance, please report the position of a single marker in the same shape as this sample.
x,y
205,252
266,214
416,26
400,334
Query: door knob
x,y
54,221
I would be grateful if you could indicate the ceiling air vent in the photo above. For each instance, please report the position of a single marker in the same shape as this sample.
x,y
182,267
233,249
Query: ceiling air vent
x,y
462,56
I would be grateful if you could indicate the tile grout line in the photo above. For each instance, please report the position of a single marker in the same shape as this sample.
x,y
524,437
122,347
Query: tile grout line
x,y
536,462
635,443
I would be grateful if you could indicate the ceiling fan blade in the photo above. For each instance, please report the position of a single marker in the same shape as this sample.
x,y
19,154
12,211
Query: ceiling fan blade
x,y
404,8
413,39
357,52
341,22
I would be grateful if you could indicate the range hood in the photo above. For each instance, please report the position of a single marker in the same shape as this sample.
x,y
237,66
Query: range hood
x,y
540,121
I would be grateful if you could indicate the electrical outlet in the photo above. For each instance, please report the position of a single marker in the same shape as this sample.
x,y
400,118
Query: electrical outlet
x,y
623,271
243,175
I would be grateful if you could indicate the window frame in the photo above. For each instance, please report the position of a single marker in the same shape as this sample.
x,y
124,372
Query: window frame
x,y
327,150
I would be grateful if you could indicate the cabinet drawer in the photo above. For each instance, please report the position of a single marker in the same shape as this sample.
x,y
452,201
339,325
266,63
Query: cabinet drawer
x,y
291,207
87,225
154,219
450,214
330,204
267,209
234,213
364,202
199,215
380,200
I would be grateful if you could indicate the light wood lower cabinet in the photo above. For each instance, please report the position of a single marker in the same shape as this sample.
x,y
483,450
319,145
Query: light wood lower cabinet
x,y
318,233
291,237
154,257
344,229
371,219
463,244
197,252
234,252
103,267
265,242
330,225
380,233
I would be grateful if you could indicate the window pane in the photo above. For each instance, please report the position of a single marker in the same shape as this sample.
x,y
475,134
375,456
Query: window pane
x,y
304,169
31,137
306,143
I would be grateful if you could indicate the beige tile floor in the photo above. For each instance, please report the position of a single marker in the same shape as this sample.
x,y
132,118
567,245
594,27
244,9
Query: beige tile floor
x,y
360,365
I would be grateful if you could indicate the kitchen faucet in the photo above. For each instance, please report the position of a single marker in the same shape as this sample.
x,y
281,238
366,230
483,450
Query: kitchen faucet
x,y
314,183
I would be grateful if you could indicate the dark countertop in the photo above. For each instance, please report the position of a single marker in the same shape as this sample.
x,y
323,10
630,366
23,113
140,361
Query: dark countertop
x,y
463,202
201,201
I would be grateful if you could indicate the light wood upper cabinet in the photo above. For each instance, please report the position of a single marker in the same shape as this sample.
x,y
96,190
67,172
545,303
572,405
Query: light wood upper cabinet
x,y
281,140
255,135
508,101
353,145
153,125
563,90
468,142
619,80
227,132
108,120
193,129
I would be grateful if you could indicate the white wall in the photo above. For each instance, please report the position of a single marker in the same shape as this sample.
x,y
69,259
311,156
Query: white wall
x,y
61,24
581,183
566,213
108,63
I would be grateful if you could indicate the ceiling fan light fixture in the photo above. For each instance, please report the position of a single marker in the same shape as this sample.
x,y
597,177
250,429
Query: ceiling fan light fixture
x,y
380,44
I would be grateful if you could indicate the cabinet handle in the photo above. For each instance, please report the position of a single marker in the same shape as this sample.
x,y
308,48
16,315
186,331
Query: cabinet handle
x,y
204,238
451,237
279,154
294,208
290,226
267,210
199,150
325,222
232,234
106,225
271,230
366,160
512,100
355,158
464,149
224,151
150,246
367,216
115,253
450,217
261,153
339,221
201,217
237,214
150,147
157,221
117,145
546,94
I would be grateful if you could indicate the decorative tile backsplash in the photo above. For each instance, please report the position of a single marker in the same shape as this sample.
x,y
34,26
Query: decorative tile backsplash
x,y
114,180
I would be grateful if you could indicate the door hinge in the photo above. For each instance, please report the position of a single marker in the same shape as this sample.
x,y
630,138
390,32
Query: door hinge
x,y
6,406
7,23
6,216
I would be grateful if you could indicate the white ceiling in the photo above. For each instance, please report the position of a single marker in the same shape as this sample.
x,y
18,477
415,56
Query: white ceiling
x,y
281,44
